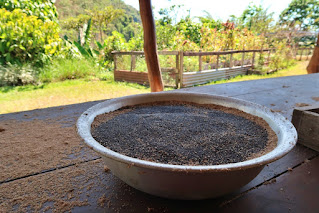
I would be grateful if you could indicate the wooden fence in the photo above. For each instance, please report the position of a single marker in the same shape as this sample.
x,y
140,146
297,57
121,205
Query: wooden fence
x,y
223,67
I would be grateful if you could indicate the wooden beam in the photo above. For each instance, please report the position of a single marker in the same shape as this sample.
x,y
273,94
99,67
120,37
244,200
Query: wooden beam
x,y
163,52
150,47
221,52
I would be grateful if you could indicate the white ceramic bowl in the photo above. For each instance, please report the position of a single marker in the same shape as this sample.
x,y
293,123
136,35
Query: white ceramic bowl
x,y
187,182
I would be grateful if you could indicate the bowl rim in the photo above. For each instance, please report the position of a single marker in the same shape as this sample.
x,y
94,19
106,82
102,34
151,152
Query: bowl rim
x,y
286,141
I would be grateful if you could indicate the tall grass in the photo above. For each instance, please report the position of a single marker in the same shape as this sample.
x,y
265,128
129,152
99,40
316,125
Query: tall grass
x,y
66,69
59,69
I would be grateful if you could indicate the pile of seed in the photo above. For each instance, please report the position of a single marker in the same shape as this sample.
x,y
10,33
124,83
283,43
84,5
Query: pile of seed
x,y
183,134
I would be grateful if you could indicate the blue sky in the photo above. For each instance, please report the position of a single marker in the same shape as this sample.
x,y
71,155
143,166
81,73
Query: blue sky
x,y
220,9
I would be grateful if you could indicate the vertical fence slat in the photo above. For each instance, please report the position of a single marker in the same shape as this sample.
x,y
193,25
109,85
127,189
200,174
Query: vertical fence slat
x,y
225,62
200,62
177,71
242,59
133,62
268,57
231,61
253,60
181,61
217,62
115,61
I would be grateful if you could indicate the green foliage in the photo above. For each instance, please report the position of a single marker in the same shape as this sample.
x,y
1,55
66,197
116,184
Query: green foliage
x,y
306,41
80,7
125,23
14,75
190,29
43,9
256,18
165,35
136,43
26,38
208,21
101,18
115,42
283,57
63,69
169,15
303,14
75,23
83,44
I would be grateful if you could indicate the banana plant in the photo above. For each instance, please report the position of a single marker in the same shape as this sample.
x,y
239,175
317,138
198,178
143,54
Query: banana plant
x,y
83,43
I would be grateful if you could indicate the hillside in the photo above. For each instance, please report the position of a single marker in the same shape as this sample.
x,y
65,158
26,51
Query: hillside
x,y
123,24
67,8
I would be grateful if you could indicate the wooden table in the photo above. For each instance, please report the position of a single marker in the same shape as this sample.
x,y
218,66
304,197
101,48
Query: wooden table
x,y
290,184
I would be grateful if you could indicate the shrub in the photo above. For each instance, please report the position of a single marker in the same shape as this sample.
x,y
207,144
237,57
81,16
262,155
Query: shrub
x,y
43,9
283,57
14,75
26,38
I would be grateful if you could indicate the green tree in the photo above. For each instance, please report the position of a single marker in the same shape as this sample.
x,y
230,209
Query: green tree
x,y
208,21
101,18
301,14
256,19
190,29
169,15
77,24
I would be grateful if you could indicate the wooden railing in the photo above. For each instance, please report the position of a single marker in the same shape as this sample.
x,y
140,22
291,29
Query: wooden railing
x,y
184,79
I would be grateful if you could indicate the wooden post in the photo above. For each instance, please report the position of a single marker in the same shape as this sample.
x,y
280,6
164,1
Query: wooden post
x,y
115,61
200,61
181,61
268,58
217,62
225,61
261,55
150,47
231,61
253,60
242,59
313,66
177,71
133,62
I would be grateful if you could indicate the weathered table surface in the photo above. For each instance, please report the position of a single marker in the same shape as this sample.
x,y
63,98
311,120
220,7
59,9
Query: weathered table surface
x,y
289,184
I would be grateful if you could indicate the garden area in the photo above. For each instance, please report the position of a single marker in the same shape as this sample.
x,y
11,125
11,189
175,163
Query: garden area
x,y
63,56
28,97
